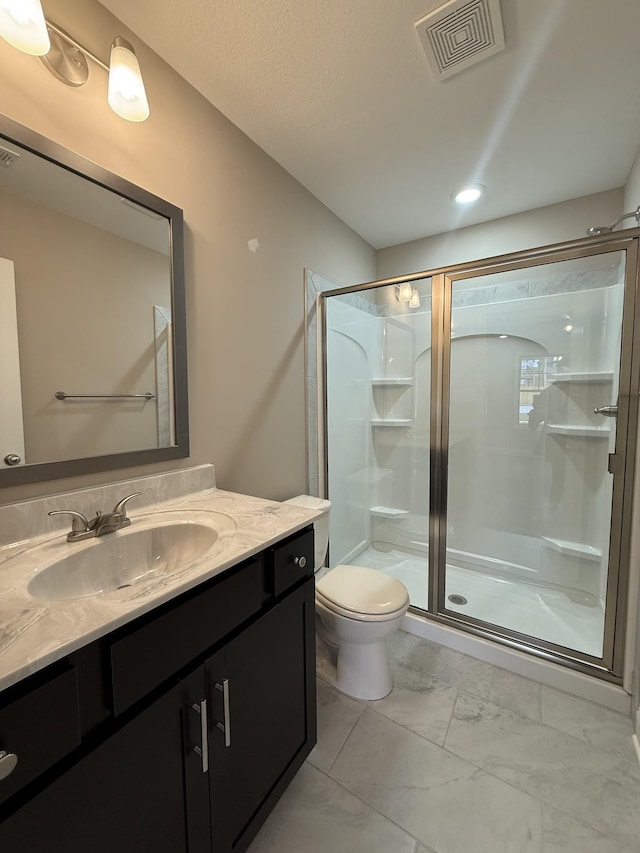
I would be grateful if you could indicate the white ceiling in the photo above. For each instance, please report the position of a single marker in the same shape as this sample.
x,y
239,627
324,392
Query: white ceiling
x,y
340,93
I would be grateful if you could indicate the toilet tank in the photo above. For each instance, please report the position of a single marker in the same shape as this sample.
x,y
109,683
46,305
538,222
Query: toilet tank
x,y
320,525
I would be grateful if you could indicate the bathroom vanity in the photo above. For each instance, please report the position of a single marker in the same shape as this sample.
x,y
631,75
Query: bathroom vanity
x,y
181,720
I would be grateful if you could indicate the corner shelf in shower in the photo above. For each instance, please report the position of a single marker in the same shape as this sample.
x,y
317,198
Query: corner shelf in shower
x,y
578,430
393,381
573,549
397,423
596,377
387,512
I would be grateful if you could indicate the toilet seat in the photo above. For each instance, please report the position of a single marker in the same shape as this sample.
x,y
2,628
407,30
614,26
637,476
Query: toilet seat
x,y
355,616
357,592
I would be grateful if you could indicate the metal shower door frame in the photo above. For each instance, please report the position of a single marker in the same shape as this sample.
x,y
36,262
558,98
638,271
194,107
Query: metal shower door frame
x,y
623,462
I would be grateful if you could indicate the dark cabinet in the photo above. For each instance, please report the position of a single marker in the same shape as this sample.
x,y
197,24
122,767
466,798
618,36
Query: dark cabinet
x,y
39,726
126,795
261,689
212,712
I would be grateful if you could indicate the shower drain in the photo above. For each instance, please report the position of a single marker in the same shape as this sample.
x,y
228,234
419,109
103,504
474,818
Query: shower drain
x,y
457,599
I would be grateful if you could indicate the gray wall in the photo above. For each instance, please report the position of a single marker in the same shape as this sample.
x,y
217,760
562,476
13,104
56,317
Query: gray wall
x,y
540,227
245,310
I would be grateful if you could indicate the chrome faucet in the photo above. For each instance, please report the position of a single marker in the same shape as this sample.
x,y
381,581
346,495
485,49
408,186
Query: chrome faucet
x,y
109,522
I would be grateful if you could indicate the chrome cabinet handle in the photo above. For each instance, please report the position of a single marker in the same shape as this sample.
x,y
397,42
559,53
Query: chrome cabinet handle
x,y
226,725
607,411
8,761
203,749
12,459
300,561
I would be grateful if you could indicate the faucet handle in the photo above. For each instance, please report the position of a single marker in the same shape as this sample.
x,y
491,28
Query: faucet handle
x,y
79,523
120,508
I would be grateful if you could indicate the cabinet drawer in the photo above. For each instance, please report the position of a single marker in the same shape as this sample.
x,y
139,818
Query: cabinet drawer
x,y
292,561
146,657
39,727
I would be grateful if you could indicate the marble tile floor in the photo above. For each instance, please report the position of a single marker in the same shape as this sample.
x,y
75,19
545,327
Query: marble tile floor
x,y
461,757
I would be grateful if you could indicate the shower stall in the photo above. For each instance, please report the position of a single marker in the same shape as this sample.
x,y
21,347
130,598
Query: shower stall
x,y
479,443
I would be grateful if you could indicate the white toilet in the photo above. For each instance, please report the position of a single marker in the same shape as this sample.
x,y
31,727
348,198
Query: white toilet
x,y
356,610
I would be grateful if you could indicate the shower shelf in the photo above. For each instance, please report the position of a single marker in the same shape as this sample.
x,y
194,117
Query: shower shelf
x,y
392,422
573,549
583,377
583,431
393,381
387,512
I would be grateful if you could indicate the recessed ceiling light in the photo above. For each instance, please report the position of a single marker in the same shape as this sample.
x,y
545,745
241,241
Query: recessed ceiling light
x,y
467,194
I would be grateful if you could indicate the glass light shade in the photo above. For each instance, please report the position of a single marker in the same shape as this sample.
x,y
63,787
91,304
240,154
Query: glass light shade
x,y
126,95
414,302
22,24
404,294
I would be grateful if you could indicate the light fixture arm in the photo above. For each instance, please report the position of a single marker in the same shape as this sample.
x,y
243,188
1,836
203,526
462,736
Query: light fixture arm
x,y
64,35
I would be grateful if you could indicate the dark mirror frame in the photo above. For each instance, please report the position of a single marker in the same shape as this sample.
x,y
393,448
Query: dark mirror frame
x,y
11,131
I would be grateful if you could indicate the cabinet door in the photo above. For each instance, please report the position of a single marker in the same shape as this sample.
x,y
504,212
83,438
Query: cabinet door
x,y
128,795
268,727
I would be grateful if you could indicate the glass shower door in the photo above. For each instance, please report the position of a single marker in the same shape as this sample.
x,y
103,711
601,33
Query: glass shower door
x,y
377,381
533,352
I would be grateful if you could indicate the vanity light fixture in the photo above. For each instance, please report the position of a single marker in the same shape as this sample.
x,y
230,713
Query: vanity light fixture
x,y
467,194
66,58
127,96
404,292
414,302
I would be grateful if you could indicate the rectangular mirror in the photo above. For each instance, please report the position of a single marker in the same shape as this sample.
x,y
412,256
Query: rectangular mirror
x,y
93,372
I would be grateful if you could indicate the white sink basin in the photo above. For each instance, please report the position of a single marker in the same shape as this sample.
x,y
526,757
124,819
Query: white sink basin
x,y
122,559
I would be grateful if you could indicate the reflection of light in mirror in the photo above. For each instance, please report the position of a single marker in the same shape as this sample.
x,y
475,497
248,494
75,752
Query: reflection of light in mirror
x,y
404,292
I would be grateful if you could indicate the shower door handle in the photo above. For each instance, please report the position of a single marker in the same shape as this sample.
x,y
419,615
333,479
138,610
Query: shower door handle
x,y
607,411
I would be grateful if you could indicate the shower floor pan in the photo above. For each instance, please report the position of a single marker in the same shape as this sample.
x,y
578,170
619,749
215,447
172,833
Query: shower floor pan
x,y
547,613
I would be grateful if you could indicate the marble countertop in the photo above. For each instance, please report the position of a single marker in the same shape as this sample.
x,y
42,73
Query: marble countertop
x,y
35,633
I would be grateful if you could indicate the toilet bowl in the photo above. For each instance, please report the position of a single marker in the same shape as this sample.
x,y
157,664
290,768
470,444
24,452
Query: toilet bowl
x,y
357,609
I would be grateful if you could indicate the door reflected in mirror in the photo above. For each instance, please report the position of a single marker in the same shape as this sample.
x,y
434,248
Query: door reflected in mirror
x,y
90,278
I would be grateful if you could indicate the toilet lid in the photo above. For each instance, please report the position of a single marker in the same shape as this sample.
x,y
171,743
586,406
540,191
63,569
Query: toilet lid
x,y
362,590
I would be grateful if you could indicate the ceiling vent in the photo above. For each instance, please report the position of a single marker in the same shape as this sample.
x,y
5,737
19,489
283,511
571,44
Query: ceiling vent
x,y
7,157
461,33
